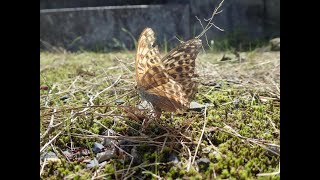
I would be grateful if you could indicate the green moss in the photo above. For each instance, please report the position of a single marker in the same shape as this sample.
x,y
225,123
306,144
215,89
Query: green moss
x,y
230,156
109,169
225,173
243,174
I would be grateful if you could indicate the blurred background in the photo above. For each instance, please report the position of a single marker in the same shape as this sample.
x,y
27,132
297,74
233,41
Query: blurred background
x,y
108,25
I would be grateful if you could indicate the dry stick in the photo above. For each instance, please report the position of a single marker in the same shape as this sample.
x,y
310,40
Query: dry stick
x,y
141,165
276,85
139,139
149,172
204,30
50,125
105,127
190,156
270,144
247,139
163,145
217,27
204,34
263,146
50,141
214,173
72,84
272,124
42,167
180,41
76,113
47,96
74,108
118,120
101,165
115,169
107,88
270,174
95,174
202,132
214,147
210,19
129,175
64,155
54,149
124,66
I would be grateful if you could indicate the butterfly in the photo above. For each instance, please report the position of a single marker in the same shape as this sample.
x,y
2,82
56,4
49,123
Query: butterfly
x,y
166,82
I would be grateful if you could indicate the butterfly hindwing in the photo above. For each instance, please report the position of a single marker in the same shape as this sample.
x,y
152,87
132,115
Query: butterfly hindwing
x,y
170,96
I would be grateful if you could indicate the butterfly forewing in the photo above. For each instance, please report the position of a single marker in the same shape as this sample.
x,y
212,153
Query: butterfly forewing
x,y
180,65
147,55
180,62
166,83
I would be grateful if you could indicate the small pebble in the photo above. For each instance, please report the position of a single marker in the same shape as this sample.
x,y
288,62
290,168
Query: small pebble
x,y
126,145
49,154
106,155
93,163
137,158
64,97
196,106
67,154
173,158
85,152
97,147
272,150
106,142
144,105
45,88
236,103
203,163
119,101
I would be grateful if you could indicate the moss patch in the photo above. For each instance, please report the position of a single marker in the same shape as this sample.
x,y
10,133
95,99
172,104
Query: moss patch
x,y
87,93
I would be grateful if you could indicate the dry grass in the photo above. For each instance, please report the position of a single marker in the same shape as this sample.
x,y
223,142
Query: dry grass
x,y
82,106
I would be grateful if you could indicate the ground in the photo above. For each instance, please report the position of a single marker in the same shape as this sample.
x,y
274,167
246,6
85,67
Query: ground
x,y
89,109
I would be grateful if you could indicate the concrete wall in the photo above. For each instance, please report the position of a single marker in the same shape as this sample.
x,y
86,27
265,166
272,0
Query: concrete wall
x,y
79,27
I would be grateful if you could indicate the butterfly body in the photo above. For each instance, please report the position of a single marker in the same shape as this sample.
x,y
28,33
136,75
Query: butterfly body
x,y
166,82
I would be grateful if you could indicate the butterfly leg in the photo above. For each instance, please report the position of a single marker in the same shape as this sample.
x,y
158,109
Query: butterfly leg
x,y
145,124
157,113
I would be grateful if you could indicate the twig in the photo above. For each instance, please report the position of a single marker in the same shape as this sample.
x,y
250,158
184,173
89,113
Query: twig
x,y
126,154
129,175
50,127
247,139
210,19
50,141
202,132
204,34
139,166
107,88
149,172
270,174
42,167
217,27
190,157
274,126
164,143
